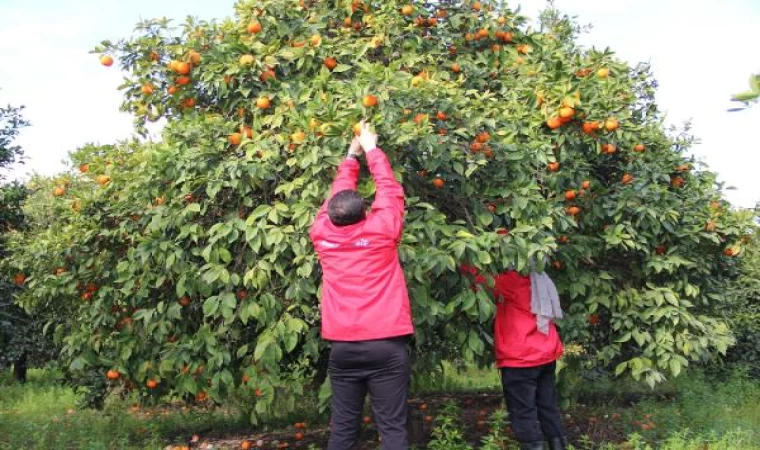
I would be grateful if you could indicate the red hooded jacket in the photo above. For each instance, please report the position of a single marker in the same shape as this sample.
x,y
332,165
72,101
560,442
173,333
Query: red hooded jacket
x,y
364,295
517,341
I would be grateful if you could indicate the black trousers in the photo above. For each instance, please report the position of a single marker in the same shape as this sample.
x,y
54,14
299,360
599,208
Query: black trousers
x,y
381,367
532,402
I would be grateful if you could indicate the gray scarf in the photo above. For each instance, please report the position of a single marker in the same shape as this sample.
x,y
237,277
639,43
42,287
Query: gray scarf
x,y
544,300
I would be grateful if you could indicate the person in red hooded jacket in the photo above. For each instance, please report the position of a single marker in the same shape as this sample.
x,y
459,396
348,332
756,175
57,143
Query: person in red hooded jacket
x,y
527,346
365,308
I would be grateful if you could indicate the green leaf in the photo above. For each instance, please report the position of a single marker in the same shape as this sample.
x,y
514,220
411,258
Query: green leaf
x,y
210,306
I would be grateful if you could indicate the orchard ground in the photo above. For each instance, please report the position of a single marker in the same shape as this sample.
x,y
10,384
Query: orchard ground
x,y
694,412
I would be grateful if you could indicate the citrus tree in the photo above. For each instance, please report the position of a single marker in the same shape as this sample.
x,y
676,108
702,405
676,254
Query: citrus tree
x,y
183,267
22,342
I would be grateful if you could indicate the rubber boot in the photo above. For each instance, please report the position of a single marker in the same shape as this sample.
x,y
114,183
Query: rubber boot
x,y
532,445
558,443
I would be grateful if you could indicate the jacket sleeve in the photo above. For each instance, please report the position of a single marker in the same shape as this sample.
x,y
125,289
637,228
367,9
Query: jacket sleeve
x,y
387,215
346,179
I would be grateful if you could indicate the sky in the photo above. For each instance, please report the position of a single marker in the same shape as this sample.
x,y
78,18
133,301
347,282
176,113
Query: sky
x,y
701,52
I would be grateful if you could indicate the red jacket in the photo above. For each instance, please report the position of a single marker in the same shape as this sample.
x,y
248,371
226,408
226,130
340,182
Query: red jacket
x,y
364,295
517,341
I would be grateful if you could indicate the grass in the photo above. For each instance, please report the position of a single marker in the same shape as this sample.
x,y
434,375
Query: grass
x,y
692,412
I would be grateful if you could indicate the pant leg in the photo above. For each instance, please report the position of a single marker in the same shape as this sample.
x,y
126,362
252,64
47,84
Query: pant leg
x,y
547,401
520,386
349,389
388,389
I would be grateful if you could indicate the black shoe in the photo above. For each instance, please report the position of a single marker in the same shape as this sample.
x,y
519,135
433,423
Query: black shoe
x,y
532,445
558,443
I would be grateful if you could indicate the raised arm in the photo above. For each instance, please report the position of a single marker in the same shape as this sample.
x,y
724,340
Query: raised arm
x,y
387,214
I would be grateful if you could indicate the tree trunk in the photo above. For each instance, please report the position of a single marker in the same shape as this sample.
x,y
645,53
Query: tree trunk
x,y
20,368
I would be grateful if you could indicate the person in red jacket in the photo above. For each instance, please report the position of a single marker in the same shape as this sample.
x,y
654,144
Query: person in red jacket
x,y
527,347
365,308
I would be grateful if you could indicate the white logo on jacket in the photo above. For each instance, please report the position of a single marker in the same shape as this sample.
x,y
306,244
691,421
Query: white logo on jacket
x,y
361,243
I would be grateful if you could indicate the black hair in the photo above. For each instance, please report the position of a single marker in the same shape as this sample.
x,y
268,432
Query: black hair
x,y
346,208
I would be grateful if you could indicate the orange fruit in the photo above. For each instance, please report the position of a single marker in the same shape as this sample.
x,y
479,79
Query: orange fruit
x,y
195,57
611,124
183,80
235,138
19,279
557,264
266,75
476,147
106,60
369,101
441,13
566,112
189,103
330,62
58,191
419,118
481,34
407,10
590,127
501,20
477,6
299,436
246,60
683,168
627,178
570,195
586,184
710,226
677,182
247,132
172,90
609,149
660,249
553,166
483,137
603,72
147,89
455,68
440,115
639,148
367,420
113,374
573,210
432,21
554,123
507,37
438,183
103,179
151,384
183,68
184,301
728,252
258,392
246,445
254,27
263,103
